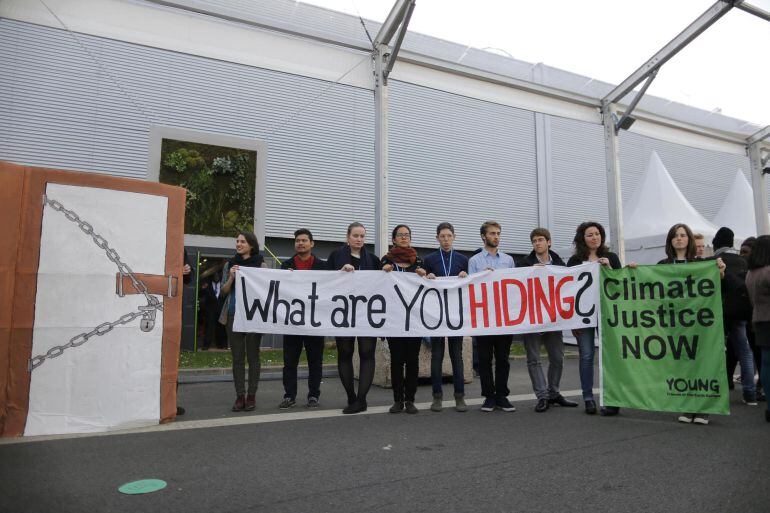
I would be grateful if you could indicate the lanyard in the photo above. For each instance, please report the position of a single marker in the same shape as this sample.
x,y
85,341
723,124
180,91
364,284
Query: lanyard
x,y
441,254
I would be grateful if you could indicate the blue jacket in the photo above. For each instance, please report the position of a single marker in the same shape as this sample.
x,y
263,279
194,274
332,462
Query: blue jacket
x,y
433,263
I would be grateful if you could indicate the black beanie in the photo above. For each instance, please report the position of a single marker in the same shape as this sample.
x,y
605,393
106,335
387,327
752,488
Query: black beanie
x,y
723,238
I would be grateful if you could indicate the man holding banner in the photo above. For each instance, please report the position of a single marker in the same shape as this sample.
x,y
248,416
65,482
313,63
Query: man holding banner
x,y
493,388
546,391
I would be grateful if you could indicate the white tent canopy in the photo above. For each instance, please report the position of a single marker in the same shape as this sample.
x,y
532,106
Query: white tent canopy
x,y
658,204
737,211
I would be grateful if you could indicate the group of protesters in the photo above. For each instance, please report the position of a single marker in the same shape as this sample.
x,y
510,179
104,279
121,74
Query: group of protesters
x,y
745,295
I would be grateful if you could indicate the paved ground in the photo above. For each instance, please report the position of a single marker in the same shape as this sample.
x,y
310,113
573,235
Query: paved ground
x,y
561,460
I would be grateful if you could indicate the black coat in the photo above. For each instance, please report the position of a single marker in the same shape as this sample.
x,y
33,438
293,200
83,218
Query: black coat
x,y
735,296
612,257
340,257
531,259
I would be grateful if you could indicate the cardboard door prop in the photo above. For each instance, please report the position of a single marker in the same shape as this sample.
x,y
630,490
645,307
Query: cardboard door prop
x,y
90,301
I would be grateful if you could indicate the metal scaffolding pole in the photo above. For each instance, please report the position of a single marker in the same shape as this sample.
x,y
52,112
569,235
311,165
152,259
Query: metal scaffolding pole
x,y
758,182
384,59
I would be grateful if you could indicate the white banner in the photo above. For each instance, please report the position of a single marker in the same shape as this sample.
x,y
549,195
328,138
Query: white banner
x,y
380,304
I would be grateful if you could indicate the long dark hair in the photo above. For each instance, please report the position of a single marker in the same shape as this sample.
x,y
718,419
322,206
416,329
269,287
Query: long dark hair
x,y
760,253
671,252
581,248
252,240
395,231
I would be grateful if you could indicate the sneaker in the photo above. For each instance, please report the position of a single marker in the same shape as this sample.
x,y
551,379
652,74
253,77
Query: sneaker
x,y
437,404
761,395
504,404
397,407
686,418
410,407
287,403
460,403
312,402
251,402
749,398
701,419
489,404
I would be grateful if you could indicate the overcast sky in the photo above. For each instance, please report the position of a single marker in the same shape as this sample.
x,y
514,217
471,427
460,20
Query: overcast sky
x,y
724,68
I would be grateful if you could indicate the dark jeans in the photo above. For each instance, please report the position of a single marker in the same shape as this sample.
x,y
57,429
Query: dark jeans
x,y
437,345
292,349
244,346
366,347
736,337
404,366
499,346
585,340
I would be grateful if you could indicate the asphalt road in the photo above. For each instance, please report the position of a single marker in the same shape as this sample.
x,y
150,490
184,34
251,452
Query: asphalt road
x,y
560,460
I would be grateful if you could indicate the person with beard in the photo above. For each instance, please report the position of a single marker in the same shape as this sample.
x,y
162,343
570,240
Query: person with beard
x,y
404,351
446,262
352,257
590,246
546,391
494,387
303,260
243,345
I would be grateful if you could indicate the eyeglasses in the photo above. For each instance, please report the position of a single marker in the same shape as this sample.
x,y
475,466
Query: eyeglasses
x,y
403,235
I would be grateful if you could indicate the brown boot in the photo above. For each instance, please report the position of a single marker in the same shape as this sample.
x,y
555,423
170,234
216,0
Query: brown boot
x,y
251,402
240,403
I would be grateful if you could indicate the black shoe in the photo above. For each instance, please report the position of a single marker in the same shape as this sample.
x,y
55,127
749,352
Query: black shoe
x,y
561,401
590,407
504,404
355,407
760,395
767,415
541,406
410,407
489,405
750,399
397,407
609,411
179,411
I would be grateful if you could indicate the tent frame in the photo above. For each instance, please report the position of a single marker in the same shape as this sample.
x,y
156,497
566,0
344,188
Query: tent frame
x,y
647,72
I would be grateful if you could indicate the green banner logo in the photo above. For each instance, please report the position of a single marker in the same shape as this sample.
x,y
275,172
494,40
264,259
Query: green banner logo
x,y
662,339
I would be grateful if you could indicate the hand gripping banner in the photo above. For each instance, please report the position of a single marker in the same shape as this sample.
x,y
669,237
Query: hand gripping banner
x,y
380,304
663,344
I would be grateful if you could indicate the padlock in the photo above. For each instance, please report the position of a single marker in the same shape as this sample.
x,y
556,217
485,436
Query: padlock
x,y
146,324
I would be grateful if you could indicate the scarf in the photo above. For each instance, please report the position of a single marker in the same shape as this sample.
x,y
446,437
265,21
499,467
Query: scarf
x,y
400,255
254,260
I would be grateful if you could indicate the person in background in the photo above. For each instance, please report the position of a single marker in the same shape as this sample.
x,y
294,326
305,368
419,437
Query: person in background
x,y
446,262
700,246
546,391
494,387
758,285
303,260
746,246
736,309
242,345
590,246
352,257
404,351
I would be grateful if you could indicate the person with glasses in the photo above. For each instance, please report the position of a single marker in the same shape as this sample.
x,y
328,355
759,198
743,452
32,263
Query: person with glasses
x,y
404,351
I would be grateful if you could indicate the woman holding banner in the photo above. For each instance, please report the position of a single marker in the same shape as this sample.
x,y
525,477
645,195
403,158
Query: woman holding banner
x,y
758,284
680,249
242,345
404,351
590,247
352,257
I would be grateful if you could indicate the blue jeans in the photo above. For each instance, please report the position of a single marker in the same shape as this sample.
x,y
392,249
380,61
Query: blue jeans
x,y
765,368
437,363
585,339
736,337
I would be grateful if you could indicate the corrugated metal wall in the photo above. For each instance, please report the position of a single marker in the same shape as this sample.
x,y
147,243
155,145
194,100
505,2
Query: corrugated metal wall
x,y
461,160
81,102
579,177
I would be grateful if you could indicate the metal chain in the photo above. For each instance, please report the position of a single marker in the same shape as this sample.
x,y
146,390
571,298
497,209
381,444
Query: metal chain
x,y
146,312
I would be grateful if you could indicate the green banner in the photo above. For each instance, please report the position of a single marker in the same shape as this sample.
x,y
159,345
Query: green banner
x,y
662,341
